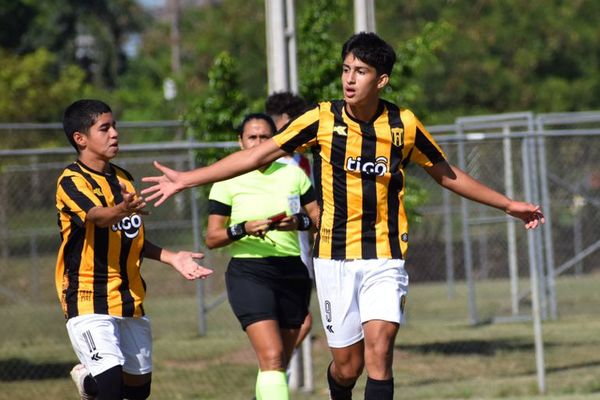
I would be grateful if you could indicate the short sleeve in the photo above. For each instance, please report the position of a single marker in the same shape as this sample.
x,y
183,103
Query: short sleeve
x,y
220,192
426,151
75,196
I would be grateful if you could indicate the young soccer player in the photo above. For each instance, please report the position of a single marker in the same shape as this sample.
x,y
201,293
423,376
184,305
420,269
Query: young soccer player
x,y
361,146
98,277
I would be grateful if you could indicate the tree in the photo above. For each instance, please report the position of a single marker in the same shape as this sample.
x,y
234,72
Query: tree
x,y
31,89
88,33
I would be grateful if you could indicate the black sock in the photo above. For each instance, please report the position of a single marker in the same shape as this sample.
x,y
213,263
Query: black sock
x,y
379,390
110,384
90,386
337,391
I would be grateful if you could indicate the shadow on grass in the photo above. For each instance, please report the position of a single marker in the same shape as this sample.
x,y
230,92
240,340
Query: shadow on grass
x,y
468,347
16,369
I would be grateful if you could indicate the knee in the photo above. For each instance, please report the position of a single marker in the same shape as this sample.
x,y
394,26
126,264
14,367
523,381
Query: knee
x,y
379,350
271,359
347,372
140,392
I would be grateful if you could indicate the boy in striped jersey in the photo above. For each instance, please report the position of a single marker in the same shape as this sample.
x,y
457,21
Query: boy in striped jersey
x,y
98,277
361,146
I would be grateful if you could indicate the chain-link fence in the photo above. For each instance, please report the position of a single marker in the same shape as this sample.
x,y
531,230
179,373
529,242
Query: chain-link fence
x,y
477,261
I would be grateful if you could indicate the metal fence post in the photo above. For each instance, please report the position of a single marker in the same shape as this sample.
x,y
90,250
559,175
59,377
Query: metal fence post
x,y
511,236
547,228
197,241
466,234
536,313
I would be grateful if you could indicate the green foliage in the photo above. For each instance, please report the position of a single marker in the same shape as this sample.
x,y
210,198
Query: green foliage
x,y
215,116
507,56
31,89
90,33
405,87
319,63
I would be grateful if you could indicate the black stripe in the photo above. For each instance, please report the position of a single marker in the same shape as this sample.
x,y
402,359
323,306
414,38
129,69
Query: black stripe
x,y
427,148
116,168
305,135
128,304
73,217
82,201
395,186
115,187
369,193
77,168
339,182
127,301
317,174
72,262
101,270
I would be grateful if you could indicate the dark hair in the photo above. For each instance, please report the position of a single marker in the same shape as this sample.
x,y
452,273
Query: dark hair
x,y
285,103
81,115
252,116
371,49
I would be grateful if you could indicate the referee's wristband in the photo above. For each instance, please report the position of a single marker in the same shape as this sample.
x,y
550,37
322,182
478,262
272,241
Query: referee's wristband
x,y
304,222
237,231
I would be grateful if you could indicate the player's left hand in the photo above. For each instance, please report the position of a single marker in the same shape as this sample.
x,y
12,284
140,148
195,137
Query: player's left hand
x,y
530,214
184,262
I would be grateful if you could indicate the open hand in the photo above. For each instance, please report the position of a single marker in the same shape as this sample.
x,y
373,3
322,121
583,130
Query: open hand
x,y
184,262
164,186
132,203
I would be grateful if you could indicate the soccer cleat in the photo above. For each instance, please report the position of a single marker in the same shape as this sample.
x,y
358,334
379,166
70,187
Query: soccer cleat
x,y
78,374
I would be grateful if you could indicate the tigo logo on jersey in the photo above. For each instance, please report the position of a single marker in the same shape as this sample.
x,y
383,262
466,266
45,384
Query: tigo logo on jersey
x,y
379,167
130,226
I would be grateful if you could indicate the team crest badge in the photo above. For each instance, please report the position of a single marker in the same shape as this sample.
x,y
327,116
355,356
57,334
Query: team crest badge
x,y
398,137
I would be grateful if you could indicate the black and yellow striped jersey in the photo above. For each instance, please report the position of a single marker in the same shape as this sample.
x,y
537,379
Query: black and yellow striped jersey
x,y
359,176
97,269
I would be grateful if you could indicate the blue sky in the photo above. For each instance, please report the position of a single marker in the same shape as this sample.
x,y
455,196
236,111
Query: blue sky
x,y
152,3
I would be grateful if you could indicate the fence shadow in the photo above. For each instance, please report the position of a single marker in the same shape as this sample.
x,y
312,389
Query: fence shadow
x,y
17,369
464,347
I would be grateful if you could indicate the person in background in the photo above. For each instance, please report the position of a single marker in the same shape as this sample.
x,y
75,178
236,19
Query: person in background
x,y
361,146
257,215
98,278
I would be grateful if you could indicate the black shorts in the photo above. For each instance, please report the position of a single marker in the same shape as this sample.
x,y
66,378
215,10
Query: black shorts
x,y
271,288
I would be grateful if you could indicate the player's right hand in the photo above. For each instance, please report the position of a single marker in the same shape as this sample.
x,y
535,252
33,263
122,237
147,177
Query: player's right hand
x,y
132,203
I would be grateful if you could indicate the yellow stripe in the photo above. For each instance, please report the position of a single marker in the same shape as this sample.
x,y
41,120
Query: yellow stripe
x,y
354,194
384,147
324,137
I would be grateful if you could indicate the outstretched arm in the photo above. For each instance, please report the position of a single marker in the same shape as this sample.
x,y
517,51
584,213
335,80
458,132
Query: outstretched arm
x,y
463,184
235,164
182,261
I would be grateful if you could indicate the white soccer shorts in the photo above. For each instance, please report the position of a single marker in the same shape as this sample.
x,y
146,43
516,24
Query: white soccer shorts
x,y
104,341
352,292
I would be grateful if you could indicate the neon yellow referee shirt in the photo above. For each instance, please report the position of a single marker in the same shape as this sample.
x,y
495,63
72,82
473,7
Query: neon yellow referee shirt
x,y
259,195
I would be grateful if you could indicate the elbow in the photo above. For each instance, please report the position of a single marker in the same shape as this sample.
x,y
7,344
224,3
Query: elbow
x,y
211,242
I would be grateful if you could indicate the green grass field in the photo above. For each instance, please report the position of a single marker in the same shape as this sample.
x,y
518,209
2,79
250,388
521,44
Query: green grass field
x,y
438,354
